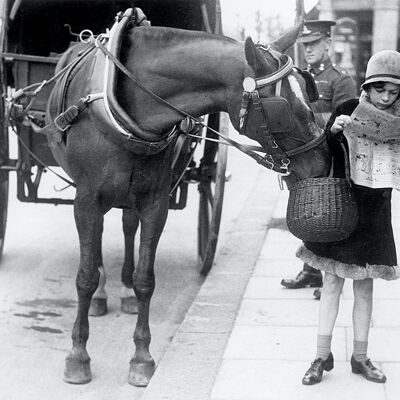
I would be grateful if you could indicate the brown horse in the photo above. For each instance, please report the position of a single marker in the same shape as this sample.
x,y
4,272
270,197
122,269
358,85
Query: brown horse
x,y
200,74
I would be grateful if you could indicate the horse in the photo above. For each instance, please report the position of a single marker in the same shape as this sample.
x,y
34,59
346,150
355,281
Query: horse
x,y
167,74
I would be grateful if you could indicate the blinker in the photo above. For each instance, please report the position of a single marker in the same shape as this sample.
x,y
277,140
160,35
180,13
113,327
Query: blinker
x,y
278,114
275,115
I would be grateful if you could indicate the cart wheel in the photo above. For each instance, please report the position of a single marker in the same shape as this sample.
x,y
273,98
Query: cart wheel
x,y
4,154
211,193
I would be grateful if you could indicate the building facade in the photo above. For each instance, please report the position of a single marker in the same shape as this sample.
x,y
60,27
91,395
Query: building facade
x,y
363,28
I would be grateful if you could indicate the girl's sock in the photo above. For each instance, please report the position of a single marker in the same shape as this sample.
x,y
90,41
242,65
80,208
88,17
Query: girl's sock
x,y
323,346
360,350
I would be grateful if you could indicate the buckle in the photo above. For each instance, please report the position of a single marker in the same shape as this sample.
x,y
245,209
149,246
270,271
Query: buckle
x,y
268,161
58,126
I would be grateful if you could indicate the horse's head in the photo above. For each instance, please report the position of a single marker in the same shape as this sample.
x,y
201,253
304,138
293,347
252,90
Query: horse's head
x,y
275,110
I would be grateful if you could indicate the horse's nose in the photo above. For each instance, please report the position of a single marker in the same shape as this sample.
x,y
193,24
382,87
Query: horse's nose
x,y
316,164
324,167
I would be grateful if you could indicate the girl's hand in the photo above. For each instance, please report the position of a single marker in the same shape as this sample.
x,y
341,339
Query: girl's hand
x,y
340,123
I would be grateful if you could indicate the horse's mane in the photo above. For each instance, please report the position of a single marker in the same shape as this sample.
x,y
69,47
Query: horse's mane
x,y
174,35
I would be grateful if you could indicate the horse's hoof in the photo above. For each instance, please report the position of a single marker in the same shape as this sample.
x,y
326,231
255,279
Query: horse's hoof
x,y
141,373
129,305
98,307
77,371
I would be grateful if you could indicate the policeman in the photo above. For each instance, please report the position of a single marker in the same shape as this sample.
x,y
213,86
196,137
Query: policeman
x,y
334,87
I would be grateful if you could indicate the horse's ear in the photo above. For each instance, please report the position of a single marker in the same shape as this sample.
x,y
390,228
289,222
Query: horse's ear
x,y
288,38
254,58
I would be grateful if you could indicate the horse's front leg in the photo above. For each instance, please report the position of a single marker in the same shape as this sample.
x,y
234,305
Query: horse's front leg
x,y
98,305
89,223
152,221
130,223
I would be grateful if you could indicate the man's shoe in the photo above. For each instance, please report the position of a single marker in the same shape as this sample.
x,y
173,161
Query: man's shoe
x,y
317,294
367,369
318,366
303,279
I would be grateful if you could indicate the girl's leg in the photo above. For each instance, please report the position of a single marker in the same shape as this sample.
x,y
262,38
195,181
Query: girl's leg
x,y
362,312
328,310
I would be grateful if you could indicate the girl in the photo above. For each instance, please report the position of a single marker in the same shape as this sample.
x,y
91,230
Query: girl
x,y
370,251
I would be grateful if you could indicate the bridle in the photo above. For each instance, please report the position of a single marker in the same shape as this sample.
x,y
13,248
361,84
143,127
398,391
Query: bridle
x,y
255,110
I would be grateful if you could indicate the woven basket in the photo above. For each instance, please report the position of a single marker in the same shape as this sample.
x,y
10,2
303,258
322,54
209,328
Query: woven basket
x,y
321,210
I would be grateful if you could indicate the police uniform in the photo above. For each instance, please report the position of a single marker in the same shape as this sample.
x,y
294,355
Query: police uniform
x,y
335,86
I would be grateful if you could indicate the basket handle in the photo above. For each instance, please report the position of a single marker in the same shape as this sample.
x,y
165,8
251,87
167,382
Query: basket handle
x,y
346,163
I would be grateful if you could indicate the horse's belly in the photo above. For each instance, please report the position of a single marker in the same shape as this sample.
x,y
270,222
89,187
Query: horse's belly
x,y
118,177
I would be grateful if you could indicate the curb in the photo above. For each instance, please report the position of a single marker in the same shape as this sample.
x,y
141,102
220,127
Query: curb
x,y
189,366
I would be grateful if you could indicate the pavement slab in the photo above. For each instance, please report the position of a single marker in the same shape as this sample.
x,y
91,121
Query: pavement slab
x,y
263,336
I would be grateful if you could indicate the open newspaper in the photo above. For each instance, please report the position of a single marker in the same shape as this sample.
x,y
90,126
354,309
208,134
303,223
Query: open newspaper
x,y
374,147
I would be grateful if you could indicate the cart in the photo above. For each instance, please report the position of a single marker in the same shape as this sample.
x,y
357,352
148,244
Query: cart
x,y
34,34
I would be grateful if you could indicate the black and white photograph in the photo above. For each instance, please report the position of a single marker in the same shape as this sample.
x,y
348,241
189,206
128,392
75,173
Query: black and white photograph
x,y
199,199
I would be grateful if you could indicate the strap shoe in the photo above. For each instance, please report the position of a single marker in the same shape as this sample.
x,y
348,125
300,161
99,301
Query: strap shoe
x,y
368,370
318,366
303,279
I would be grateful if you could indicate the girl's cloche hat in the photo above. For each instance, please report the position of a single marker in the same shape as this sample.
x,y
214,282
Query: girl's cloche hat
x,y
383,66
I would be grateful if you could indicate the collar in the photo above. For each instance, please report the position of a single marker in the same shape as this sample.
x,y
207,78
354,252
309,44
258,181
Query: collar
x,y
316,69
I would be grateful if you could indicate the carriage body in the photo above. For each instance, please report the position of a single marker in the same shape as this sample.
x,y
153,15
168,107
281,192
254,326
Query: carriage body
x,y
33,37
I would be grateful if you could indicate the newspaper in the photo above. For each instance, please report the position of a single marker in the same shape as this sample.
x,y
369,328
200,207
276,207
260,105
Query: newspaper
x,y
374,147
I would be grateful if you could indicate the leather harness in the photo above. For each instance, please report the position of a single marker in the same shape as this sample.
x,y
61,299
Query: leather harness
x,y
105,110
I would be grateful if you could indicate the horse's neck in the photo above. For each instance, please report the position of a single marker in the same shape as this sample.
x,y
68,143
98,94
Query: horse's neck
x,y
198,74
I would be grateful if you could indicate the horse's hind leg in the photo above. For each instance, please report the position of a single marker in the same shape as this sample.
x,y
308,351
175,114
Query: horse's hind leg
x,y
89,222
130,223
152,222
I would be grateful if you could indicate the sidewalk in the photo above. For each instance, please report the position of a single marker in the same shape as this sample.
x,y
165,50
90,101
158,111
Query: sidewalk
x,y
247,338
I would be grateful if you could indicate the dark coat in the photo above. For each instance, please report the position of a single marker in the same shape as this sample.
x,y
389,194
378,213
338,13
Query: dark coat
x,y
335,86
370,251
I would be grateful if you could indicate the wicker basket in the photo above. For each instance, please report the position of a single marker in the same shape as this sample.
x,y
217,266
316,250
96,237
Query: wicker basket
x,y
322,210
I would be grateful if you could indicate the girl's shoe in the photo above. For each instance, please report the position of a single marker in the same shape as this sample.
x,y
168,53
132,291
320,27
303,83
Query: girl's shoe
x,y
367,369
314,373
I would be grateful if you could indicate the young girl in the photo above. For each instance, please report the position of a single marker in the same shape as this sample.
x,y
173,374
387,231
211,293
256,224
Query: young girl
x,y
370,251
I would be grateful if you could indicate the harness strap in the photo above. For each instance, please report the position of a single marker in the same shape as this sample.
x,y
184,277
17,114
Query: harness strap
x,y
307,146
64,120
276,76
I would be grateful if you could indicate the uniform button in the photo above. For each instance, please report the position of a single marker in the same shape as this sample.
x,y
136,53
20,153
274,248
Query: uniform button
x,y
320,95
